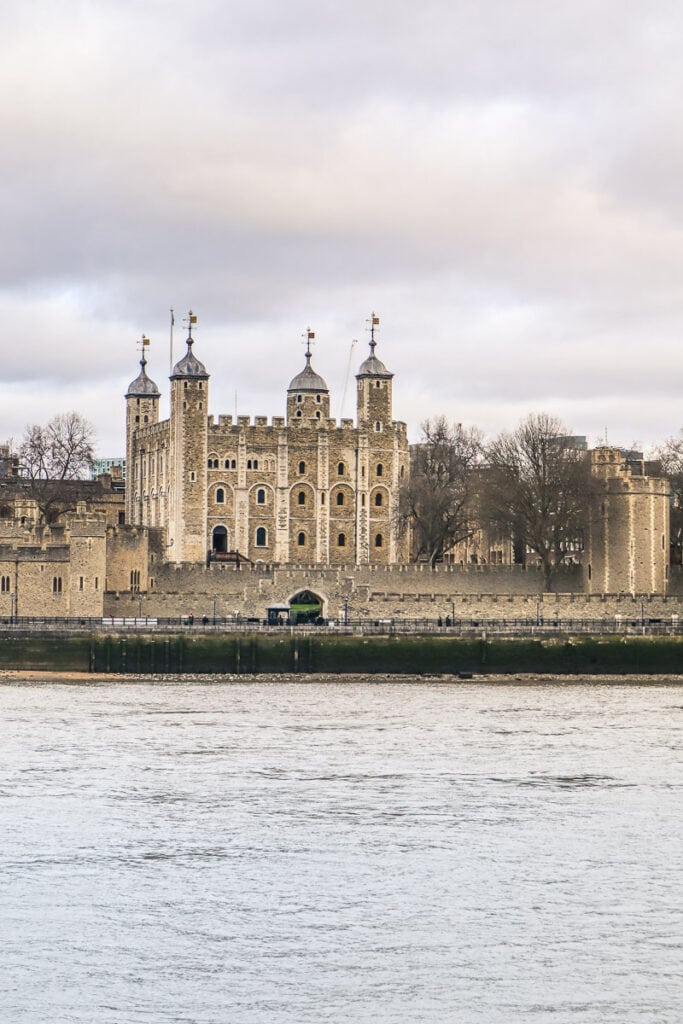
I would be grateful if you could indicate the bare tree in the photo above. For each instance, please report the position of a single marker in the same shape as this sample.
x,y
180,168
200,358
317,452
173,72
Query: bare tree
x,y
52,457
670,457
436,504
538,488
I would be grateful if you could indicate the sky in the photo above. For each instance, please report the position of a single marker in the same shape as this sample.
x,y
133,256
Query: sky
x,y
499,180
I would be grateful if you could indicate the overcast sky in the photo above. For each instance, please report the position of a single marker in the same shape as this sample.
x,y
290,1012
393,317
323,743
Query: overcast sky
x,y
500,180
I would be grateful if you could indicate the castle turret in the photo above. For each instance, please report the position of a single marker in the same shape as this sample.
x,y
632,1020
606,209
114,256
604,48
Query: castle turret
x,y
186,538
373,403
628,541
142,407
308,396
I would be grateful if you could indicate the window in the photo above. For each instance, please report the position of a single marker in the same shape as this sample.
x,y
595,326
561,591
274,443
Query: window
x,y
378,540
378,426
97,583
122,518
380,469
341,540
362,500
56,584
322,498
378,500
317,398
193,476
298,412
378,384
299,398
302,467
261,537
220,496
301,497
301,539
255,463
4,584
135,579
248,463
340,469
317,414
340,498
80,583
233,464
260,496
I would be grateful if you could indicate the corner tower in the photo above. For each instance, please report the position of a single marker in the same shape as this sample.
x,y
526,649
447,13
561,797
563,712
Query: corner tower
x,y
187,500
374,402
308,396
142,407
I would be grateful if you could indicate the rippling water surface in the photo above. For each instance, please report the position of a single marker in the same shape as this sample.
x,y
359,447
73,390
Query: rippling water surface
x,y
285,853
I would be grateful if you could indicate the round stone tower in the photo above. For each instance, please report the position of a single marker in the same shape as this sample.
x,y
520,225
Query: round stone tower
x,y
373,403
308,396
187,501
142,408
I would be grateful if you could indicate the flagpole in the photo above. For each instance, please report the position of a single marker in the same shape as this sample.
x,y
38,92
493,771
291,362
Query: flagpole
x,y
171,351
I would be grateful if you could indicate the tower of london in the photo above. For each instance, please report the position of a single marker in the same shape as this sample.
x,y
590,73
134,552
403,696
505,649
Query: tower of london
x,y
302,488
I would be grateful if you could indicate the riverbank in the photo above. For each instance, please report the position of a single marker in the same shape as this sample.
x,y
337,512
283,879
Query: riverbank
x,y
32,678
226,654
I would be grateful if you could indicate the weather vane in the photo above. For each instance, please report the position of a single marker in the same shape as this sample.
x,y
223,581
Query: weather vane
x,y
190,320
142,346
309,338
373,320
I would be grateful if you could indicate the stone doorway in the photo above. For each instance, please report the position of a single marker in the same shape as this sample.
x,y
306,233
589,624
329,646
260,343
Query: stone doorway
x,y
305,607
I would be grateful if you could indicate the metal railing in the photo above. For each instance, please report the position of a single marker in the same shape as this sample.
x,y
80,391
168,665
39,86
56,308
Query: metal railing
x,y
475,626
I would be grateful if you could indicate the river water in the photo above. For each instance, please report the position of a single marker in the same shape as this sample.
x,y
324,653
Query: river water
x,y
285,853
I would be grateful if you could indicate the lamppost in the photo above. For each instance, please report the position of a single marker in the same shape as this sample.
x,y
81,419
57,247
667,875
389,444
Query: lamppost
x,y
140,606
346,611
215,598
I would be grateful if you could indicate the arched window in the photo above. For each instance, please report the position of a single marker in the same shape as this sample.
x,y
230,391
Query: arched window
x,y
378,500
301,497
298,412
220,496
299,398
301,539
378,540
255,463
378,426
380,469
317,414
340,469
341,540
261,537
302,466
233,464
248,463
260,496
340,498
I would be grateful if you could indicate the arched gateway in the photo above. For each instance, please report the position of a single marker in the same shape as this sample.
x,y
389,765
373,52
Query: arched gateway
x,y
305,606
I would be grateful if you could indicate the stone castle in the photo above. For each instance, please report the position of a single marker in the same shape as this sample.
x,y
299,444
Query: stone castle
x,y
231,518
298,489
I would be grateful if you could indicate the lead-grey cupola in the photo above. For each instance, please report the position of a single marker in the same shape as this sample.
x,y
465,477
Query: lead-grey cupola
x,y
189,365
372,366
308,380
143,386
